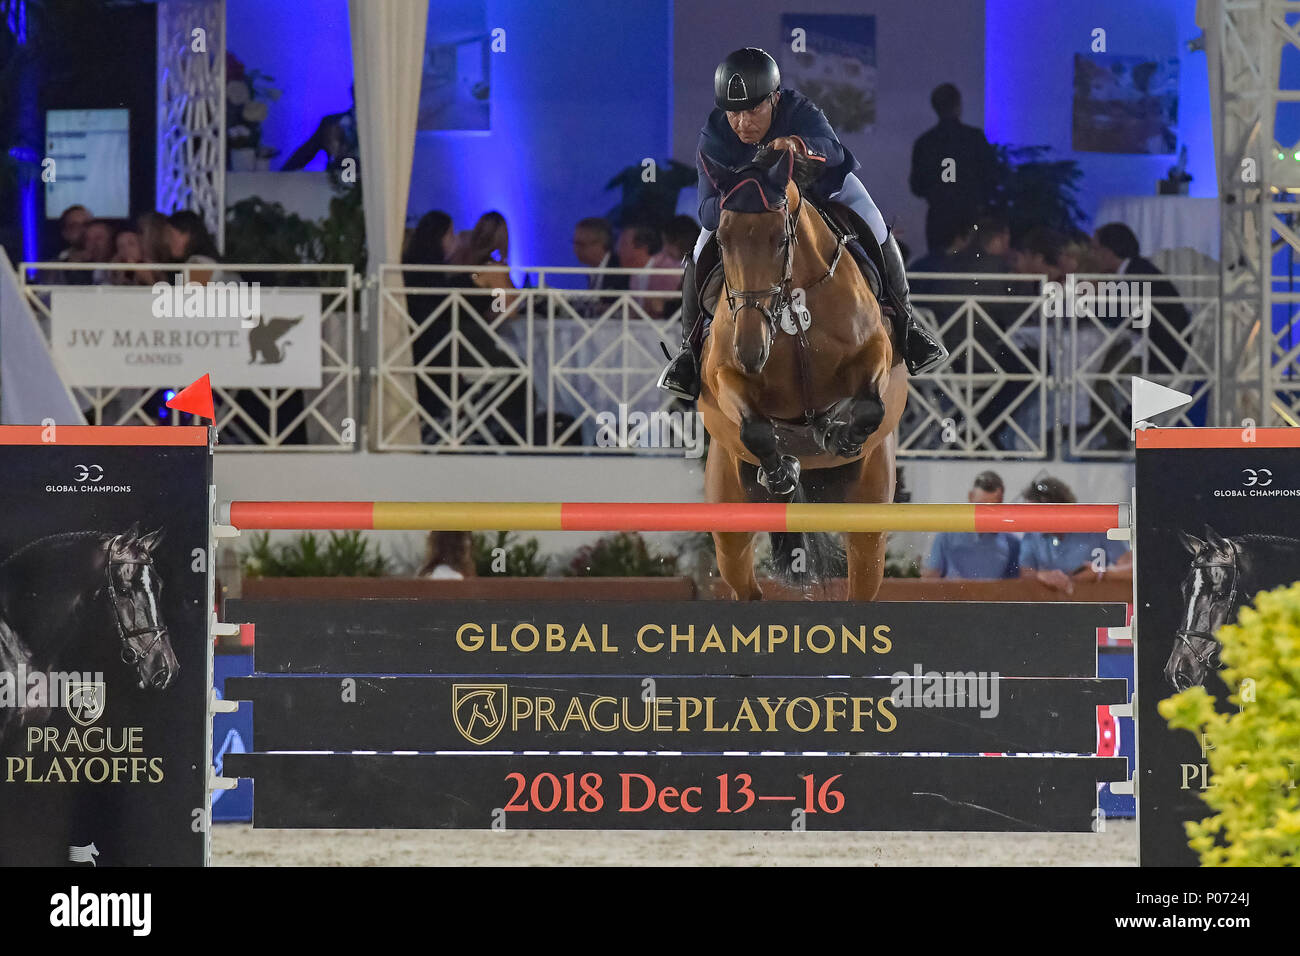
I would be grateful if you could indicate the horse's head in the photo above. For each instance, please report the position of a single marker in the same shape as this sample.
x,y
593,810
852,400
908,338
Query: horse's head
x,y
134,592
1211,590
756,235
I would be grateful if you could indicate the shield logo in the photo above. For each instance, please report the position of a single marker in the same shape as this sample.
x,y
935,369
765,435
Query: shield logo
x,y
479,710
85,701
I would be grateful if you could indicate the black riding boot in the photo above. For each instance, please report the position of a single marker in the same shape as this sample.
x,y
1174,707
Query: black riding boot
x,y
682,376
921,351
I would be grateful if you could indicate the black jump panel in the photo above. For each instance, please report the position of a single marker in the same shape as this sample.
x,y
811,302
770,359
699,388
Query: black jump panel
x,y
954,713
785,638
622,792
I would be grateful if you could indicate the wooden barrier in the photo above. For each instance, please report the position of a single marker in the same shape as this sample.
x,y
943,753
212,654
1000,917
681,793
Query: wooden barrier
x,y
683,715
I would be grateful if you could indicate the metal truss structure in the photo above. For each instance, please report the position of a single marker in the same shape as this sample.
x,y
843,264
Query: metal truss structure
x,y
1259,181
192,110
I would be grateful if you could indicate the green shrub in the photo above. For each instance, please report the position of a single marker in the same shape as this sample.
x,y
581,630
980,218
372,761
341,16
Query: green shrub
x,y
622,555
521,557
343,555
1253,752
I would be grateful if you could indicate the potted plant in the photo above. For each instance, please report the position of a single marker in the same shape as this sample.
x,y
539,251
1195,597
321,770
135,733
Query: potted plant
x,y
247,96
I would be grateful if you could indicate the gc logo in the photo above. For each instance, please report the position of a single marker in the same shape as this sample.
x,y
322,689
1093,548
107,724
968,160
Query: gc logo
x,y
1257,476
89,472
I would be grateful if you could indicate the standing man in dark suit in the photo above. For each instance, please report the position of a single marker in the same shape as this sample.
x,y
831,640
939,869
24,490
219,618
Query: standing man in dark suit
x,y
953,168
1116,249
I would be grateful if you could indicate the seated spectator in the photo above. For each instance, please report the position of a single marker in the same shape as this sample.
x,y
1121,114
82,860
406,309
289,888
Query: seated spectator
x,y
953,236
152,229
593,245
432,244
975,554
639,247
989,247
1059,560
72,233
188,241
99,247
1040,253
1115,249
680,236
129,250
449,555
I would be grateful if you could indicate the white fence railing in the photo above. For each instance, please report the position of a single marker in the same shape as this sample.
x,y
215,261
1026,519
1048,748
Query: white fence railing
x,y
470,366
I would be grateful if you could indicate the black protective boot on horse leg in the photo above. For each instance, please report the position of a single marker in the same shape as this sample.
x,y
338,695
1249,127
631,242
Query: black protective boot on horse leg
x,y
682,376
921,351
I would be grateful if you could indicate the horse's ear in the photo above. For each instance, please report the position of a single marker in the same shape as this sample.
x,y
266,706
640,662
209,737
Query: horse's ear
x,y
1190,542
721,176
152,539
1216,540
782,169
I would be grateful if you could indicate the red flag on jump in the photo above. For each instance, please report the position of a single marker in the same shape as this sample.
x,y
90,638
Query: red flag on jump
x,y
196,399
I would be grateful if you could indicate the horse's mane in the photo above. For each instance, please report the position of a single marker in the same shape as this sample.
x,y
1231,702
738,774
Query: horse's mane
x,y
1276,540
68,535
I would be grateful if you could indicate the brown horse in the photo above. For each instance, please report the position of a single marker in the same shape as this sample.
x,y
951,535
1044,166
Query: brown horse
x,y
801,388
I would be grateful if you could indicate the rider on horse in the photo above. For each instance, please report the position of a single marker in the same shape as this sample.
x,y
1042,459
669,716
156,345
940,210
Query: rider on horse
x,y
754,111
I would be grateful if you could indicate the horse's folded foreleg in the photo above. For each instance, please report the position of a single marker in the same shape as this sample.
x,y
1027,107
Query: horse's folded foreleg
x,y
845,427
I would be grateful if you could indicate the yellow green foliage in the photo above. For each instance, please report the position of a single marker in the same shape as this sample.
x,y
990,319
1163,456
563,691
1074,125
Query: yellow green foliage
x,y
1254,751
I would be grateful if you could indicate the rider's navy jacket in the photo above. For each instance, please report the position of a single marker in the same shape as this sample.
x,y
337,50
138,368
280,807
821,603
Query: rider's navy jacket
x,y
795,115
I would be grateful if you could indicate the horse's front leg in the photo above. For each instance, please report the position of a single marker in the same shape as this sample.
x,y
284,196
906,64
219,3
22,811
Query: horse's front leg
x,y
778,473
845,427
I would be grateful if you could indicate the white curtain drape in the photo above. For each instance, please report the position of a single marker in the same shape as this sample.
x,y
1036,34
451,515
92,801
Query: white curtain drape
x,y
387,55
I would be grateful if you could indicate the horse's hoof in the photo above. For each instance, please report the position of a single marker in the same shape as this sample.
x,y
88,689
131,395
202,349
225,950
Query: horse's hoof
x,y
781,481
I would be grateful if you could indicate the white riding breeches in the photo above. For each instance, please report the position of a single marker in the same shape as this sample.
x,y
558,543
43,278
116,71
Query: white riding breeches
x,y
853,194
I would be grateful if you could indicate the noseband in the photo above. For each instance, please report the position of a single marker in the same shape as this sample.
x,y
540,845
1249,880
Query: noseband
x,y
116,594
1187,635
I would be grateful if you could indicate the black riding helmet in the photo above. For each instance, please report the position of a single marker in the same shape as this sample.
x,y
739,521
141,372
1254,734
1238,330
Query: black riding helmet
x,y
744,79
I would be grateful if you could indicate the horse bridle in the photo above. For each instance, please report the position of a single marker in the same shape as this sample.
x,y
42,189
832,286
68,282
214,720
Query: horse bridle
x,y
129,654
780,294
1186,635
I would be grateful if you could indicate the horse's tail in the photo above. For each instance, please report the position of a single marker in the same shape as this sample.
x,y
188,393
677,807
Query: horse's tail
x,y
803,558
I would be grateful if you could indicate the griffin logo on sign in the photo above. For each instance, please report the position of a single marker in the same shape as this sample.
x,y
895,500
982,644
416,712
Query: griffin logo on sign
x,y
479,710
85,701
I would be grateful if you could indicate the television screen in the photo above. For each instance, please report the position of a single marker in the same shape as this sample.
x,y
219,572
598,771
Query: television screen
x,y
91,150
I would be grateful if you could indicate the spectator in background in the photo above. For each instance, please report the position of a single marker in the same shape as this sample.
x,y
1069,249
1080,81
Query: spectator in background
x,y
1059,560
640,247
973,554
953,169
128,249
485,256
680,236
432,244
1041,252
72,233
188,241
99,247
1115,249
448,555
952,237
593,242
152,227
989,248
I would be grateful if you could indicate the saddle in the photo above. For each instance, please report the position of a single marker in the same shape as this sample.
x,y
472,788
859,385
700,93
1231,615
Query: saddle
x,y
839,218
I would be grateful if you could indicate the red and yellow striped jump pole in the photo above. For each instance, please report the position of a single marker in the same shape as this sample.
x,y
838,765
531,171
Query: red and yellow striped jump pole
x,y
661,516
